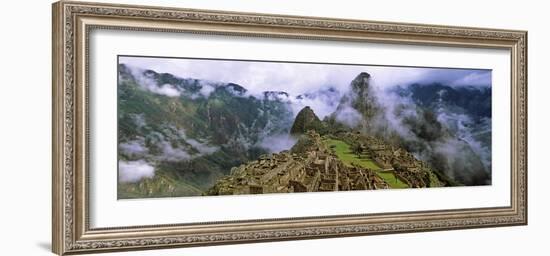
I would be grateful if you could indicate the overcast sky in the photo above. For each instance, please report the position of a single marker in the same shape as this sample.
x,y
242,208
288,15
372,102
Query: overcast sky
x,y
298,78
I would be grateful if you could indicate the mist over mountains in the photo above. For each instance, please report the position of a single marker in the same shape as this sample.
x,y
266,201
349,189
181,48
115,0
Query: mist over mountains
x,y
188,132
448,127
182,133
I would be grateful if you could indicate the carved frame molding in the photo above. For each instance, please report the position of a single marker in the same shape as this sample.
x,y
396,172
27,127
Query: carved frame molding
x,y
72,22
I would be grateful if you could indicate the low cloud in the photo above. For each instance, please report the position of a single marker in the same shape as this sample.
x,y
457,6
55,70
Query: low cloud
x,y
169,144
277,143
149,84
139,120
134,147
203,149
349,116
172,153
300,78
461,154
296,79
134,171
206,89
475,79
166,89
323,101
174,145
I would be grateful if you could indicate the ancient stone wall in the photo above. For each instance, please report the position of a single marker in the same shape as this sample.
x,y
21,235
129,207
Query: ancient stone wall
x,y
313,168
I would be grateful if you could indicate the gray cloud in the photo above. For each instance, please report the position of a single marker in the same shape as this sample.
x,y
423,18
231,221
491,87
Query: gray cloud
x,y
298,78
134,147
172,153
203,149
134,171
277,142
149,84
172,147
458,77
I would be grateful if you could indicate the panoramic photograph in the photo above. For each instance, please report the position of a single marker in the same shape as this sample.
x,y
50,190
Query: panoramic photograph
x,y
210,127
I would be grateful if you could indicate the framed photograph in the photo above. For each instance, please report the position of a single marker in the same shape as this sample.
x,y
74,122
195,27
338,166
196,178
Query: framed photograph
x,y
179,127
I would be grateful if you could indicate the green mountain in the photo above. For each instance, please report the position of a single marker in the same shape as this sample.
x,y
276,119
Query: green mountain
x,y
361,97
190,131
415,126
358,109
307,120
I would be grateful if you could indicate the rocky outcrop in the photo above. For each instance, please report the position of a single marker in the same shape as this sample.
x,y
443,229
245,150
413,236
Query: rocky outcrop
x,y
306,120
360,98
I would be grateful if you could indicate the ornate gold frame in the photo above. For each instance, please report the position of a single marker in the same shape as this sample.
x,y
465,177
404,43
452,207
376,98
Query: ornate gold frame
x,y
72,21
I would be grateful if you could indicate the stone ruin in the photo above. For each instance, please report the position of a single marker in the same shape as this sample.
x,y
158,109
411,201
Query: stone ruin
x,y
311,168
404,165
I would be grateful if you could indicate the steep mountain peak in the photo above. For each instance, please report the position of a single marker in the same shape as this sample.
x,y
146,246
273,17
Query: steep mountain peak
x,y
363,75
359,104
306,120
361,83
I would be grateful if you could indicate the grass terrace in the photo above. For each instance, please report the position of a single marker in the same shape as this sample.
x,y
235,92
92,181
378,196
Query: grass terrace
x,y
343,152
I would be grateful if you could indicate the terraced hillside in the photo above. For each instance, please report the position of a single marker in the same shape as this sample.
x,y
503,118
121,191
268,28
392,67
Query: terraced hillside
x,y
345,153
